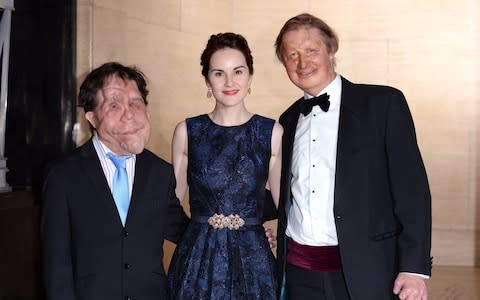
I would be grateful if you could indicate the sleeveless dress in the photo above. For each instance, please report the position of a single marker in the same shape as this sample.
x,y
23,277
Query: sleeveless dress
x,y
227,172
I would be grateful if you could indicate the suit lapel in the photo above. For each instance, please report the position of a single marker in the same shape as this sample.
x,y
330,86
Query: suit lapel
x,y
351,136
289,122
93,169
142,169
290,127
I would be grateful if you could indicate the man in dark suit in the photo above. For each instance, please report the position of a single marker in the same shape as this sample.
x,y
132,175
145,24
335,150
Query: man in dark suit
x,y
355,207
94,245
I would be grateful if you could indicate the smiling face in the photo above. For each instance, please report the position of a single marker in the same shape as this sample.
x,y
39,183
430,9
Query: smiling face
x,y
121,118
307,60
229,77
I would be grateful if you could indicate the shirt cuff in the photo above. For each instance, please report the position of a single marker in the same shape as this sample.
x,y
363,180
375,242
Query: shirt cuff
x,y
416,274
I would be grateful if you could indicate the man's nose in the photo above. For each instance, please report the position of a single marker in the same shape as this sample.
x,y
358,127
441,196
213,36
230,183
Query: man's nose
x,y
302,61
128,112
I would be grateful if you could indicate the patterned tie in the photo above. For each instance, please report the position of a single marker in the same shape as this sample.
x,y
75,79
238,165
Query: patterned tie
x,y
120,185
307,104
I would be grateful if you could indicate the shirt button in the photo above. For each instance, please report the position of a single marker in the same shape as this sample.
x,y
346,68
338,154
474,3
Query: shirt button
x,y
313,166
127,266
313,191
314,140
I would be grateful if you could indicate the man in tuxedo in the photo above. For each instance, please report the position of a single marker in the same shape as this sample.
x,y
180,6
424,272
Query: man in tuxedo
x,y
355,206
103,226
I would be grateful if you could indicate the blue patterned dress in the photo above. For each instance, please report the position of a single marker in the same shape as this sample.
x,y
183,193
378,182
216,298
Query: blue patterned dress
x,y
227,172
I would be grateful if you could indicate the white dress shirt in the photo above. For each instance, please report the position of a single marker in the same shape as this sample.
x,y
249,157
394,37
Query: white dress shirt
x,y
108,166
310,219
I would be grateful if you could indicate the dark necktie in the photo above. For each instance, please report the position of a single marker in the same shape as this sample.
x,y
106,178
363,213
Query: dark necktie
x,y
307,104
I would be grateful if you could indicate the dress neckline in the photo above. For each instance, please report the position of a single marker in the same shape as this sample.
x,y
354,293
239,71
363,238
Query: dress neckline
x,y
232,126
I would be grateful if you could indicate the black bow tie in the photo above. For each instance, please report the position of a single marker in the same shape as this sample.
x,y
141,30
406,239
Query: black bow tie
x,y
307,104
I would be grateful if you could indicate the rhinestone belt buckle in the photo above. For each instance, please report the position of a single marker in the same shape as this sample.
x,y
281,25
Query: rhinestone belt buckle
x,y
232,222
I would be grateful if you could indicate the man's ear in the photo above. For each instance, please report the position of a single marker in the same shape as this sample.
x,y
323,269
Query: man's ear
x,y
90,116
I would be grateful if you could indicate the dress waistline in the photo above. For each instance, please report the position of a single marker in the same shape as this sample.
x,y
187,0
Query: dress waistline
x,y
232,222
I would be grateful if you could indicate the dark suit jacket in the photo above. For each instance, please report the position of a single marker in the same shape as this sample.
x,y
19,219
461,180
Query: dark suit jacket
x,y
382,203
87,253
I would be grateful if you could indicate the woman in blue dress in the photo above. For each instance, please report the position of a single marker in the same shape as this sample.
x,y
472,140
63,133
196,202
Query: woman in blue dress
x,y
226,158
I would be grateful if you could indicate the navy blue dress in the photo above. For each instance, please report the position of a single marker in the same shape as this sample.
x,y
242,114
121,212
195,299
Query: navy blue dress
x,y
227,172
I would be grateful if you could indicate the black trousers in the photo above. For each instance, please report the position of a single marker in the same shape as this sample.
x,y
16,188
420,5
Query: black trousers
x,y
303,284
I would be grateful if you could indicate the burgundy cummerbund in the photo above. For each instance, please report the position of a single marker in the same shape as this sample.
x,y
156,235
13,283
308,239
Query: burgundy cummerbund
x,y
314,258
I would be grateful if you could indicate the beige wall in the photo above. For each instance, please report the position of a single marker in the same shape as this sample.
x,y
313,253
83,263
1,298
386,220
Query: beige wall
x,y
429,49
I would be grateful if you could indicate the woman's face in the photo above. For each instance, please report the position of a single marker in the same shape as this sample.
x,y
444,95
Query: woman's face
x,y
229,77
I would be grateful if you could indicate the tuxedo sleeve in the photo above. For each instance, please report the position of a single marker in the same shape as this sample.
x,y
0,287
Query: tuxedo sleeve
x,y
177,219
56,239
409,187
269,209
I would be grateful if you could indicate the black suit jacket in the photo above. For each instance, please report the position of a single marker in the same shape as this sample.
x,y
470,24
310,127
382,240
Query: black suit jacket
x,y
87,253
382,203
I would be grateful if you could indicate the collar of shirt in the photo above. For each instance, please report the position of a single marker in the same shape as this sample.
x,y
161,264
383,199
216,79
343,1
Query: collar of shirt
x,y
107,165
334,90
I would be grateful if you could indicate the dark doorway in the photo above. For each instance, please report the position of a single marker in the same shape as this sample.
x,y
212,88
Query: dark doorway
x,y
40,118
42,86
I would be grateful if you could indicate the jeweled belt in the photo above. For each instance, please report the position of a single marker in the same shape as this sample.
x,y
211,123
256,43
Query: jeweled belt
x,y
232,221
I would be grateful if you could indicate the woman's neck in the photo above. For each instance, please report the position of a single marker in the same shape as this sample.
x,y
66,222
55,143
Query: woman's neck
x,y
230,116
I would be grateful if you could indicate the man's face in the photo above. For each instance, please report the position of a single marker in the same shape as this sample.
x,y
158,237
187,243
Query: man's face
x,y
121,118
308,63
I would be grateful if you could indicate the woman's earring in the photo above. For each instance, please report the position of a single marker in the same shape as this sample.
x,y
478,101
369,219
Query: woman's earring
x,y
249,91
209,93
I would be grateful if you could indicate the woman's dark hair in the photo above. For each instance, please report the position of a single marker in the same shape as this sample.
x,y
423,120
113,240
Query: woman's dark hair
x,y
96,79
221,41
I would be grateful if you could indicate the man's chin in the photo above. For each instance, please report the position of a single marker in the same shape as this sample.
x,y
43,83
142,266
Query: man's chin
x,y
136,147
